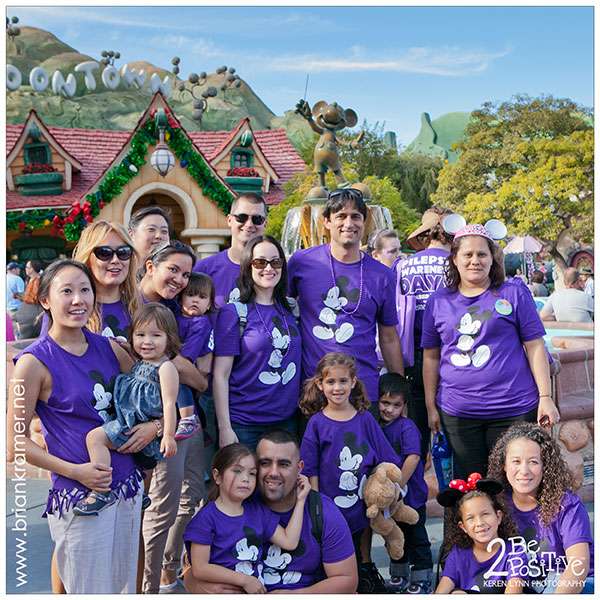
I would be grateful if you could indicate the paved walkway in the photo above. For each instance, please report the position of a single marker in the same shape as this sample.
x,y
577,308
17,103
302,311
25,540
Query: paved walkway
x,y
28,566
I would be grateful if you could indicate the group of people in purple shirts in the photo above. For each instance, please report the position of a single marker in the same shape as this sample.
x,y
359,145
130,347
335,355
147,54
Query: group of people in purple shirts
x,y
157,371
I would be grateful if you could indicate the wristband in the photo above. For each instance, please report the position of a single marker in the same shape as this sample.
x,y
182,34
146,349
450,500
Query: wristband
x,y
158,426
545,396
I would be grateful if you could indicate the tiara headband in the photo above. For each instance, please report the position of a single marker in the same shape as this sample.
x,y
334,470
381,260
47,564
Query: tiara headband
x,y
458,488
456,225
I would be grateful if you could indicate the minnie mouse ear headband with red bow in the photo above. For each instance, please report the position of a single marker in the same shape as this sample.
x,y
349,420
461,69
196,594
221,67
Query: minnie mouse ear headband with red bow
x,y
458,488
456,225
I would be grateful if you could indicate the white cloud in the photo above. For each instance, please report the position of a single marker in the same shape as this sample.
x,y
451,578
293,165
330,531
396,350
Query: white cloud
x,y
199,47
446,61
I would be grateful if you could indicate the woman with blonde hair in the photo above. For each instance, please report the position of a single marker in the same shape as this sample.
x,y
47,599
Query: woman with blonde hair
x,y
107,249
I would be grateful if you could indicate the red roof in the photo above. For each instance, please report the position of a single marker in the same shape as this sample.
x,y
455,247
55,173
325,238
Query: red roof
x,y
97,148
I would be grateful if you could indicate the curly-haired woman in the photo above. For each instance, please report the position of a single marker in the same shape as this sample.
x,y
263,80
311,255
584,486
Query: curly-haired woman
x,y
551,518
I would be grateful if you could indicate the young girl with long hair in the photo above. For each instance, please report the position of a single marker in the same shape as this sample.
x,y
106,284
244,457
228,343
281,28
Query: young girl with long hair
x,y
552,519
477,531
145,394
342,444
225,539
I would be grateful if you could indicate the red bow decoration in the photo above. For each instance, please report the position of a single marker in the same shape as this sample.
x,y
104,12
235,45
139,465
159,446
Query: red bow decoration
x,y
465,486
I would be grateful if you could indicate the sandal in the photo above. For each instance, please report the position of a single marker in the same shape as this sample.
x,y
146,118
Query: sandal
x,y
84,508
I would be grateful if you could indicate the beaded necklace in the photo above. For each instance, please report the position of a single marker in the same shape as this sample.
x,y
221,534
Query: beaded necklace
x,y
334,284
287,329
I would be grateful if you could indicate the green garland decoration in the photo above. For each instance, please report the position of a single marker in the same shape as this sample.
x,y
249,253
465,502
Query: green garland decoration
x,y
71,222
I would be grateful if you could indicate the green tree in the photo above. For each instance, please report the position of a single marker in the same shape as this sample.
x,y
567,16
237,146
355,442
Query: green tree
x,y
416,177
528,162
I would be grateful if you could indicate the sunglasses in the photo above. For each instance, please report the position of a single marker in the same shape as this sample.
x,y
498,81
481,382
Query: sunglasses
x,y
106,253
261,263
241,218
345,193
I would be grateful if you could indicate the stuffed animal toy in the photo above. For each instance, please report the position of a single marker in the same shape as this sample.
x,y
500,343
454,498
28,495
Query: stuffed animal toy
x,y
385,507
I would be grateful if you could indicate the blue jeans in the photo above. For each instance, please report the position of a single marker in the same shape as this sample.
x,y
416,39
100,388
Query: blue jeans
x,y
250,434
185,397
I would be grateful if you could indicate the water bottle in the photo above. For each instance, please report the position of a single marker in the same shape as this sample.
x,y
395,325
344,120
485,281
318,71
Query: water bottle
x,y
441,455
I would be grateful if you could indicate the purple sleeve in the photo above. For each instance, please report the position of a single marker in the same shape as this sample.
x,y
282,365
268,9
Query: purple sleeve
x,y
528,319
387,314
270,521
200,529
336,544
227,332
573,522
291,269
430,337
309,449
451,568
411,438
381,445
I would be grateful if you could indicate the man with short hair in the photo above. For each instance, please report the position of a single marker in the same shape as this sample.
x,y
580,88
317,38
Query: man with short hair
x,y
15,286
325,566
149,227
587,278
570,304
246,220
345,296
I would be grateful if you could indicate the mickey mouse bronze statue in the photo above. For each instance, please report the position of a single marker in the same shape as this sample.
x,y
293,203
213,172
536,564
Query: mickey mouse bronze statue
x,y
325,119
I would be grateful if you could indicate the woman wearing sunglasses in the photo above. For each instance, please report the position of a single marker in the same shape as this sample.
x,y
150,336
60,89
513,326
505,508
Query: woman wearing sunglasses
x,y
256,373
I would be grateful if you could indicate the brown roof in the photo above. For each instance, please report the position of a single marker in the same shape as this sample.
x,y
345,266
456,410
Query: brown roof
x,y
97,148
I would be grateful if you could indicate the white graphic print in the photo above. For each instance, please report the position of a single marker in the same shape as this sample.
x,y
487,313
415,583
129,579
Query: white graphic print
x,y
276,564
280,343
349,464
103,397
109,333
211,340
334,302
247,554
469,329
234,296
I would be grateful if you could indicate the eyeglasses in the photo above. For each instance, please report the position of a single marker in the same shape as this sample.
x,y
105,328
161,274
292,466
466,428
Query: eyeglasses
x,y
241,218
106,253
352,193
261,263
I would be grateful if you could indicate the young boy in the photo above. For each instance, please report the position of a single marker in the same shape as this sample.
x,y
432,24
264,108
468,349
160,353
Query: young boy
x,y
413,573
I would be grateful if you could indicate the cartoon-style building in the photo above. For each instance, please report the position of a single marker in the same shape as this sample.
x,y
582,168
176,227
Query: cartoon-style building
x,y
59,179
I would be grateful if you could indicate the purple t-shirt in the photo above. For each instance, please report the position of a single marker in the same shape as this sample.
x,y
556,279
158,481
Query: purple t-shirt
x,y
196,335
264,384
224,274
81,399
343,454
420,275
484,372
570,526
324,304
236,543
405,439
303,567
468,573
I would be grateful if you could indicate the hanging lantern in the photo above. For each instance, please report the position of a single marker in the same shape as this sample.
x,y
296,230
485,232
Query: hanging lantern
x,y
162,159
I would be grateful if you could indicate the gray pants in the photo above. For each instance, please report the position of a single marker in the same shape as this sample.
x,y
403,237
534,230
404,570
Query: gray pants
x,y
176,490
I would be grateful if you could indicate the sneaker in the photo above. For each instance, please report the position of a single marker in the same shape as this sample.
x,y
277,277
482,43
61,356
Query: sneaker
x,y
99,501
419,587
370,580
187,427
146,501
397,584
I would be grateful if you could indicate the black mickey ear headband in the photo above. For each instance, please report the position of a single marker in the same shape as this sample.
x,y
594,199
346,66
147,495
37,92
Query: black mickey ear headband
x,y
458,488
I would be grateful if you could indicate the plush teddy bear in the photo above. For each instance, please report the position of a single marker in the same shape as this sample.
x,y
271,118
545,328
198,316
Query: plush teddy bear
x,y
385,507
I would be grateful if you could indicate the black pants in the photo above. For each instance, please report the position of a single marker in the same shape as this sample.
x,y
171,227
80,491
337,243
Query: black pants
x,y
417,548
472,440
417,409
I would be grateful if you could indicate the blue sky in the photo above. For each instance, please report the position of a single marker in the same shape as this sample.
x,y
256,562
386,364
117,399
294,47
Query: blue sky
x,y
388,63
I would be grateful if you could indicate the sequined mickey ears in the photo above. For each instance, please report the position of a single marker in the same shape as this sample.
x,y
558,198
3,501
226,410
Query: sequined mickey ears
x,y
456,225
458,488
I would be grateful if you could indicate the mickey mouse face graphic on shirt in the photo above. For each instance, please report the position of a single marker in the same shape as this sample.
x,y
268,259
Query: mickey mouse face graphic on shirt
x,y
246,551
336,298
113,329
276,563
350,459
102,395
280,342
469,327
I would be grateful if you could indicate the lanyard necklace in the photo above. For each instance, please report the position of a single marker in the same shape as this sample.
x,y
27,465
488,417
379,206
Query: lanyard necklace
x,y
334,284
287,329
